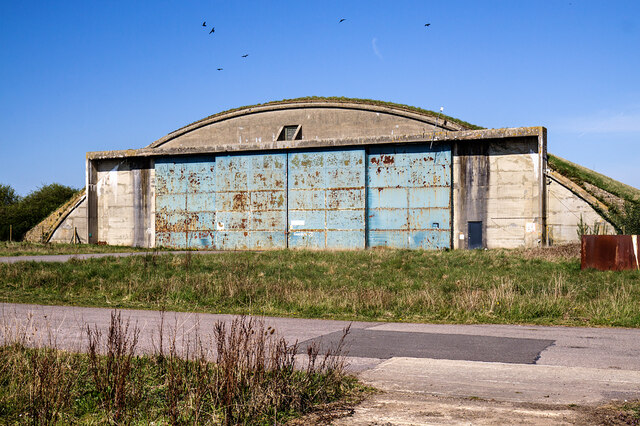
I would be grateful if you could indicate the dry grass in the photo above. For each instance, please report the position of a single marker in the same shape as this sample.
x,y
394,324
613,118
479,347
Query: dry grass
x,y
248,376
486,286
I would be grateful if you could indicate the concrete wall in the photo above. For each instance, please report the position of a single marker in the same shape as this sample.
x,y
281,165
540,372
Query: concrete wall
x,y
125,202
564,211
316,122
76,220
497,183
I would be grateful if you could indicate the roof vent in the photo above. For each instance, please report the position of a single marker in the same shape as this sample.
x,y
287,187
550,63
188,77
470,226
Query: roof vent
x,y
289,133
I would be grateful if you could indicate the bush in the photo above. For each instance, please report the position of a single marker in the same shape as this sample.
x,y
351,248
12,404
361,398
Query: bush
x,y
631,218
25,213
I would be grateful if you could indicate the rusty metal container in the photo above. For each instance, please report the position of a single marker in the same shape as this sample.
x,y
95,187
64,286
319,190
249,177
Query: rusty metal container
x,y
610,252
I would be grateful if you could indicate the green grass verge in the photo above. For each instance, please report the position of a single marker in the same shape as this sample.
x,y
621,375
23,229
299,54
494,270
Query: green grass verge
x,y
492,286
580,175
38,249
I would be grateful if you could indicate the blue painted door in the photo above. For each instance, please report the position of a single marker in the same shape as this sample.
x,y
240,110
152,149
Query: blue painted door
x,y
185,202
409,196
326,199
251,201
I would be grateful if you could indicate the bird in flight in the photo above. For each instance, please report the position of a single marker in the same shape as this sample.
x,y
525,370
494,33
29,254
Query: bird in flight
x,y
204,24
245,55
219,69
343,19
213,30
427,25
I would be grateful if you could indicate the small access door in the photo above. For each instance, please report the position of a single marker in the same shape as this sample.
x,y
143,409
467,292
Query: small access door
x,y
475,235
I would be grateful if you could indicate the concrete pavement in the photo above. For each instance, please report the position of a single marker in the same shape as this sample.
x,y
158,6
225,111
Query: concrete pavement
x,y
528,364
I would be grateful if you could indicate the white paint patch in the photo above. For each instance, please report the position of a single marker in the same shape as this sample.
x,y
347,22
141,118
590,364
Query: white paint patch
x,y
634,240
536,166
530,227
297,223
109,179
220,226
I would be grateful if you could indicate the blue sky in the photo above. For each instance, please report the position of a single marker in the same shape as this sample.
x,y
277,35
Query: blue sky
x,y
78,76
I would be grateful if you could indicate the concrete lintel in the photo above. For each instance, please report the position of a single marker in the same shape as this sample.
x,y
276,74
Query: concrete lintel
x,y
466,135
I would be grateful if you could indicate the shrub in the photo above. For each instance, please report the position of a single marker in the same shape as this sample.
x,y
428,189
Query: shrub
x,y
22,214
631,218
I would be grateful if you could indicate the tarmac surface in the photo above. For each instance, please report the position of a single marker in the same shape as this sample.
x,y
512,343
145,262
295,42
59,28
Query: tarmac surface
x,y
526,364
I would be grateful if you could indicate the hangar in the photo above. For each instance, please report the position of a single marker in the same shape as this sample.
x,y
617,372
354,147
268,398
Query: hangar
x,y
327,173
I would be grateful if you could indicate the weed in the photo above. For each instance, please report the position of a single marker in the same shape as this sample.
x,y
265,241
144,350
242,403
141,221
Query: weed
x,y
112,373
255,378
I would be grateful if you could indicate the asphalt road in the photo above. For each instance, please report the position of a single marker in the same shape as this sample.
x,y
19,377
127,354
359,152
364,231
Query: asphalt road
x,y
560,365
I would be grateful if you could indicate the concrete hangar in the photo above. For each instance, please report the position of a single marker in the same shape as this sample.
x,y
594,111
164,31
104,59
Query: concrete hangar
x,y
327,173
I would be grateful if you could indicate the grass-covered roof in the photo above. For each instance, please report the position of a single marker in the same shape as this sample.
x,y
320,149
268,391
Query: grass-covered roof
x,y
340,99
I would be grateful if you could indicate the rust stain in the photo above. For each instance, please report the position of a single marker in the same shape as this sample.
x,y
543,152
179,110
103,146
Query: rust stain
x,y
610,252
239,201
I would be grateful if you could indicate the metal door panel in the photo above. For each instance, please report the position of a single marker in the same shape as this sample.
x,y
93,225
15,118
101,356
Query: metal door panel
x,y
326,199
268,221
409,201
391,219
185,201
201,239
386,238
171,202
250,201
309,220
387,198
430,197
307,239
343,199
201,202
306,199
343,240
428,219
344,220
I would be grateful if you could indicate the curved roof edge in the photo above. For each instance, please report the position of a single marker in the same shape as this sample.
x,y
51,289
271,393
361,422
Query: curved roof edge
x,y
315,101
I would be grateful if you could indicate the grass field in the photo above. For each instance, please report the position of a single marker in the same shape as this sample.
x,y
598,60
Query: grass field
x,y
543,286
25,248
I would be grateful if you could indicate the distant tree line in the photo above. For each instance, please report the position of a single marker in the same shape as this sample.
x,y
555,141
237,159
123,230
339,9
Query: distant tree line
x,y
23,213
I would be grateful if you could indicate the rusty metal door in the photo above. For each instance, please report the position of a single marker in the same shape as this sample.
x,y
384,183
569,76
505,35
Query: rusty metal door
x,y
185,201
409,196
251,201
326,199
